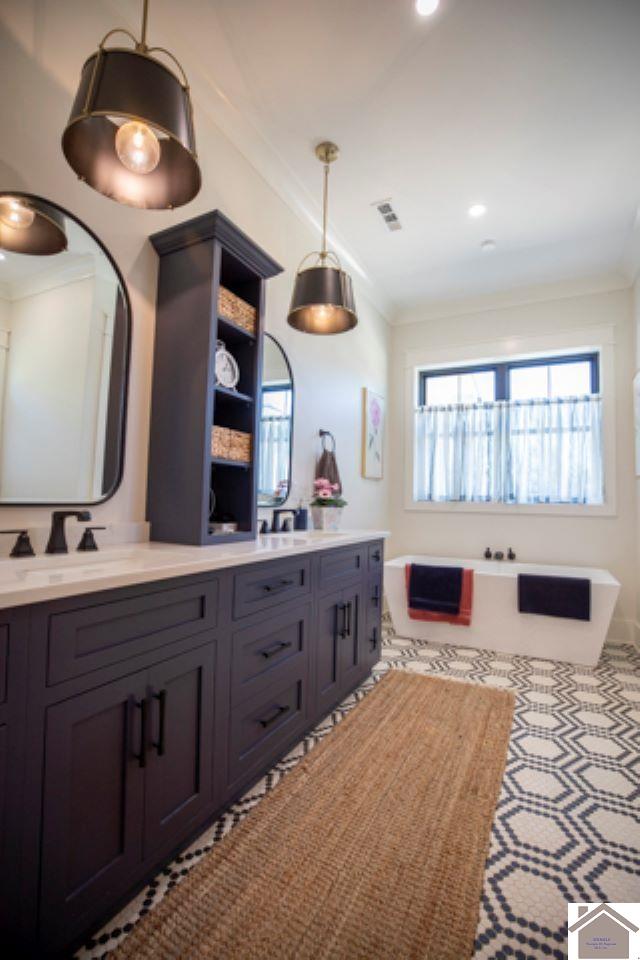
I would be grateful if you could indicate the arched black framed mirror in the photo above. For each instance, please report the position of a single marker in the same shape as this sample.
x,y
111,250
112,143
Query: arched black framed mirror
x,y
65,333
276,426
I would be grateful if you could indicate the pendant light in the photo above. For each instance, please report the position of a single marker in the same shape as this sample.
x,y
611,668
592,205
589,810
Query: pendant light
x,y
130,134
29,227
322,301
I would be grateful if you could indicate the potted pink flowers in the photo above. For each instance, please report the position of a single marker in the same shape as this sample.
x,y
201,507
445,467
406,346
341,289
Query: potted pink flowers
x,y
327,504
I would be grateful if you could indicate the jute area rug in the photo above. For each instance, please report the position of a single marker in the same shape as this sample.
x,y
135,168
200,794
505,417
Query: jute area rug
x,y
374,846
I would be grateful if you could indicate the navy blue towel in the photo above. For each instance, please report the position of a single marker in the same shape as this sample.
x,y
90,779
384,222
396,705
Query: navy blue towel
x,y
568,597
437,589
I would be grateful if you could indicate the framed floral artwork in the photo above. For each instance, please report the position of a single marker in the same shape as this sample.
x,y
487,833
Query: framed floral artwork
x,y
373,407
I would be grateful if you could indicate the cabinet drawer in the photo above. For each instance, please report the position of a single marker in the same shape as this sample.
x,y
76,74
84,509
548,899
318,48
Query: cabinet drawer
x,y
338,566
88,639
266,585
376,556
268,650
260,727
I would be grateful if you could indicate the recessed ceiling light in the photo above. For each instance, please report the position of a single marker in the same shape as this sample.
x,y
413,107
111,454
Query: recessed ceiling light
x,y
488,245
477,210
426,7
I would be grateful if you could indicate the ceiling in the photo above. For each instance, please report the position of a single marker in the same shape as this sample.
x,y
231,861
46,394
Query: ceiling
x,y
531,107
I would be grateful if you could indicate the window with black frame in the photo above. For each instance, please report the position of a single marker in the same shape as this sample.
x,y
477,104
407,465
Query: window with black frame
x,y
525,431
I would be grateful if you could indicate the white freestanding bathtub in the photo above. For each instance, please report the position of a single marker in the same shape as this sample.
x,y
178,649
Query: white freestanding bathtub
x,y
496,623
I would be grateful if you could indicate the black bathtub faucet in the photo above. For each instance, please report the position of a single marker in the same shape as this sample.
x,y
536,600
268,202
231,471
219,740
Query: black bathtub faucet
x,y
511,555
488,554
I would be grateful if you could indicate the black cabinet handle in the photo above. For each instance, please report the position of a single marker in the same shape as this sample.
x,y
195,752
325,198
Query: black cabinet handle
x,y
377,556
160,743
347,626
374,638
375,599
341,631
279,711
269,652
276,587
143,707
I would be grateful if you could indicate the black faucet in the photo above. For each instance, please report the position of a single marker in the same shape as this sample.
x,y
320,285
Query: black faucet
x,y
57,540
275,527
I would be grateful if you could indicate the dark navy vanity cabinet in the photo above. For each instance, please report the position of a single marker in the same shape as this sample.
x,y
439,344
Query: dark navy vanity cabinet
x,y
129,719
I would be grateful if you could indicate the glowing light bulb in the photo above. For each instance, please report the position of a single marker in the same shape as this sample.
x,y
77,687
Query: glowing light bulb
x,y
15,214
426,7
137,147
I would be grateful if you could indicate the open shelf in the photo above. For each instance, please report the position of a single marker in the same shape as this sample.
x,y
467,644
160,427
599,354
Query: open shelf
x,y
235,395
196,259
231,333
241,464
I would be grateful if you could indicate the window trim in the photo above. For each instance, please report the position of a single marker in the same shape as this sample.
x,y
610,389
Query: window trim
x,y
502,369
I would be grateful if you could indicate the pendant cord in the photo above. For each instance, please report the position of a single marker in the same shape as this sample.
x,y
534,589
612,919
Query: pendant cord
x,y
325,203
145,17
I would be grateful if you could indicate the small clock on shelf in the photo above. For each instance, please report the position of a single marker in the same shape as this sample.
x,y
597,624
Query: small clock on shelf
x,y
227,370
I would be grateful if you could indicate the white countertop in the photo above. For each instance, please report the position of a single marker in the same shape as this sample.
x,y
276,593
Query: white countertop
x,y
34,579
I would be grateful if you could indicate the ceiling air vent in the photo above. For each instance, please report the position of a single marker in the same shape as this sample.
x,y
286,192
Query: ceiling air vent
x,y
388,214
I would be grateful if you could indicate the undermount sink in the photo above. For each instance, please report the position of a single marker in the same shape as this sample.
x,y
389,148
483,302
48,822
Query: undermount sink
x,y
60,567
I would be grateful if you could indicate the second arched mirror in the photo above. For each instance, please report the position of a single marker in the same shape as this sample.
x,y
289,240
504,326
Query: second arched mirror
x,y
276,426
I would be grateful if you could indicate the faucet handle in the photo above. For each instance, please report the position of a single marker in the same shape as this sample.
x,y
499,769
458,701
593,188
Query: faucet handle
x,y
487,554
22,547
88,541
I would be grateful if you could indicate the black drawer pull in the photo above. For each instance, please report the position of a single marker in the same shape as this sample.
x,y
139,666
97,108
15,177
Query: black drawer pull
x,y
377,556
276,587
279,711
143,706
160,743
375,599
374,638
341,631
269,652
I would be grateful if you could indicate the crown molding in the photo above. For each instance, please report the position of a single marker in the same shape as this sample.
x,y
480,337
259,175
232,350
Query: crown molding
x,y
521,296
81,269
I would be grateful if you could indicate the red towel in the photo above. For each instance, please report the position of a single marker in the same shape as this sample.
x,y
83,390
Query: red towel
x,y
463,618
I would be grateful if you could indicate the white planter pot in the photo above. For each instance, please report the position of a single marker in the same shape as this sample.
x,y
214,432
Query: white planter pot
x,y
326,518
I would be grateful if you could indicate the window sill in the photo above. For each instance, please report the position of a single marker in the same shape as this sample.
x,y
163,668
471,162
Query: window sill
x,y
576,510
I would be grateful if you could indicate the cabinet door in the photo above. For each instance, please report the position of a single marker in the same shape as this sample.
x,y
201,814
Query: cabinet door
x,y
92,804
327,666
352,665
179,786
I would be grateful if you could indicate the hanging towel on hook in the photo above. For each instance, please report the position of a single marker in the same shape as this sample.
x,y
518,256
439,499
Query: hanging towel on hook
x,y
327,465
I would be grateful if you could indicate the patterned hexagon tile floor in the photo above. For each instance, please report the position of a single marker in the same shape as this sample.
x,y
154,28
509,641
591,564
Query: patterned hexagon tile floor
x,y
567,824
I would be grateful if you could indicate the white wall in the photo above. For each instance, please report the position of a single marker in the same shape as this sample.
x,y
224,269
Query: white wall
x,y
636,327
43,44
601,541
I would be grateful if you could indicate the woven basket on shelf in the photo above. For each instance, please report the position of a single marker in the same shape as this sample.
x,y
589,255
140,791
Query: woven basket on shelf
x,y
238,311
231,444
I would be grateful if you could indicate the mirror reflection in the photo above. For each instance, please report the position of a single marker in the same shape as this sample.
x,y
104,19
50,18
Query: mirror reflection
x,y
276,426
64,339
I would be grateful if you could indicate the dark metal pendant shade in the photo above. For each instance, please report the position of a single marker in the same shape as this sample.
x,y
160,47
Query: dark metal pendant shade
x,y
121,84
44,236
322,301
